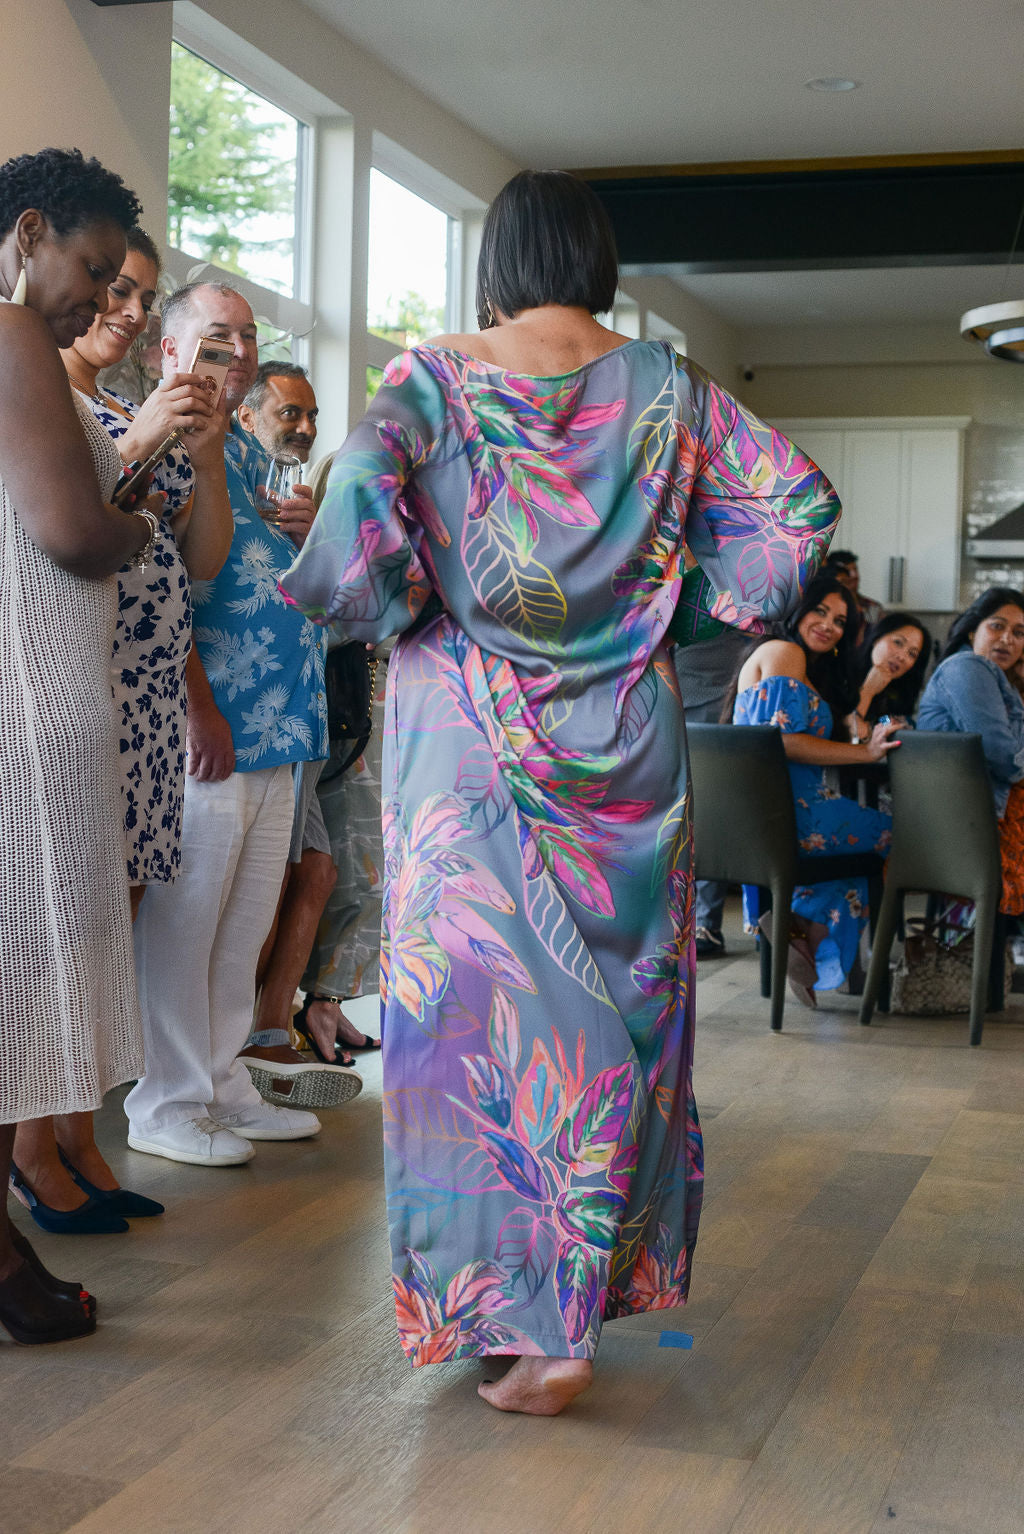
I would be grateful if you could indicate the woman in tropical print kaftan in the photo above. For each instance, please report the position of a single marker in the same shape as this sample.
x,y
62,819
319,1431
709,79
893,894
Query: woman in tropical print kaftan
x,y
526,534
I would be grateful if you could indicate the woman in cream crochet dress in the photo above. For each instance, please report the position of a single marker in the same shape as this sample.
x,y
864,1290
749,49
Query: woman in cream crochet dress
x,y
69,1021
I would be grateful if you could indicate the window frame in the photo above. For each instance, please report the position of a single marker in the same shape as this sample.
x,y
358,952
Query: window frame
x,y
294,314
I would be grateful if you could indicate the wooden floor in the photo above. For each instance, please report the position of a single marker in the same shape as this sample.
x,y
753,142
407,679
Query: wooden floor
x,y
857,1315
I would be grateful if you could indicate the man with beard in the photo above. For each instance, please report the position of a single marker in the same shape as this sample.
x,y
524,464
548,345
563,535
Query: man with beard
x,y
256,708
281,410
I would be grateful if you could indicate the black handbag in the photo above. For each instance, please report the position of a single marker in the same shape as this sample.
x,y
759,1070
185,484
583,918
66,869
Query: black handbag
x,y
350,674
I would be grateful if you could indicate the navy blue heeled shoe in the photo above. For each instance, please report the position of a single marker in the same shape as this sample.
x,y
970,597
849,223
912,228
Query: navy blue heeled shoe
x,y
93,1218
131,1206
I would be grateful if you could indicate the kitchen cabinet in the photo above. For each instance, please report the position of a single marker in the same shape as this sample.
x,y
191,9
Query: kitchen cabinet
x,y
900,481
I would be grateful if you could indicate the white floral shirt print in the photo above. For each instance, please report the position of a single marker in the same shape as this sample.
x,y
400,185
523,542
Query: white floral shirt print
x,y
263,659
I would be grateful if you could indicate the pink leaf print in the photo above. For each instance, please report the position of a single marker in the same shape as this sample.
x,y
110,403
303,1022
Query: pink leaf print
x,y
516,1165
540,1100
625,810
590,1136
464,934
419,972
489,1089
592,1217
467,877
535,483
503,1028
590,416
480,1287
574,868
577,1279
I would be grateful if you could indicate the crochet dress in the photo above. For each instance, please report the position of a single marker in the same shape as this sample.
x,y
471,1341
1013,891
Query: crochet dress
x,y
69,1025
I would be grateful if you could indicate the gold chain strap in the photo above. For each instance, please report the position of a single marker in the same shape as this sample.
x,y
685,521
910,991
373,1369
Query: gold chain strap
x,y
373,689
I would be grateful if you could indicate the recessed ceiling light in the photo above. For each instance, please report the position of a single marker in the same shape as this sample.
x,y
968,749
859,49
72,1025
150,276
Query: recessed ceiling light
x,y
832,83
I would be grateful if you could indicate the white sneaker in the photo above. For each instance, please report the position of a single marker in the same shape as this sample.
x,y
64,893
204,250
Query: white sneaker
x,y
265,1122
200,1142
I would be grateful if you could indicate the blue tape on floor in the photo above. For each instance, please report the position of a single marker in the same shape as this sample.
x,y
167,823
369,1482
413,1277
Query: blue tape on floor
x,y
675,1340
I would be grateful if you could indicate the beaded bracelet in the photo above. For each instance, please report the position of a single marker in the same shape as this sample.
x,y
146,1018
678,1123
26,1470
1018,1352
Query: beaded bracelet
x,y
141,558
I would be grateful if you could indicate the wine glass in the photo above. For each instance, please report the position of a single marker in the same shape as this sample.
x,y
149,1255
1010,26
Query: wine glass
x,y
282,478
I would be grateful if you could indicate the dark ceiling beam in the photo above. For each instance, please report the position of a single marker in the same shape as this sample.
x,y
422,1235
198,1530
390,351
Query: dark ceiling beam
x,y
878,214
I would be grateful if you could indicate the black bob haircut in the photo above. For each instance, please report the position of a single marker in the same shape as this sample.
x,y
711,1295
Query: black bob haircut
x,y
67,189
981,608
546,240
901,695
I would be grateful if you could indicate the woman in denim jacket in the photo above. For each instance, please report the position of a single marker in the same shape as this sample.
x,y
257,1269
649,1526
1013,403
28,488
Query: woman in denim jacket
x,y
970,693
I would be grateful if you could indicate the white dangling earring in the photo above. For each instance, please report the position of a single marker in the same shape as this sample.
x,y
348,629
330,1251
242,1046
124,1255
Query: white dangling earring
x,y
21,286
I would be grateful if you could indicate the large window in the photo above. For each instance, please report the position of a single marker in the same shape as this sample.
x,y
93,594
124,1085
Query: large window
x,y
237,178
409,272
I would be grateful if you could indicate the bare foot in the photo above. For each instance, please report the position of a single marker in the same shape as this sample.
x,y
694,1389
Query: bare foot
x,y
322,1020
348,1033
540,1387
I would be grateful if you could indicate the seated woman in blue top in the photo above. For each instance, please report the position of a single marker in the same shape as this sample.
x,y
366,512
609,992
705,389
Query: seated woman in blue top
x,y
798,682
970,692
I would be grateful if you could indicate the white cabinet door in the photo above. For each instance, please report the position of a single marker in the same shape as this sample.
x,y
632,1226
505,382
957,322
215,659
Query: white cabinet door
x,y
872,524
900,485
932,479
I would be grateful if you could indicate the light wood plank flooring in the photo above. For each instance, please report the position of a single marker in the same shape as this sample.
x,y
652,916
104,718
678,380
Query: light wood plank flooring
x,y
857,1315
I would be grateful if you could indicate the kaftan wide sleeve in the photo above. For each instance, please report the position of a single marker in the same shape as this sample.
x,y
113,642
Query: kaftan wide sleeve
x,y
360,567
761,514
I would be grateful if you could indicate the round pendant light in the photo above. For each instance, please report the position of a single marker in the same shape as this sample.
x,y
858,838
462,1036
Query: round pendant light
x,y
998,327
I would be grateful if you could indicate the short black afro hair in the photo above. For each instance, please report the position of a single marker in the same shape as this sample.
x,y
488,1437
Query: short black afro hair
x,y
69,190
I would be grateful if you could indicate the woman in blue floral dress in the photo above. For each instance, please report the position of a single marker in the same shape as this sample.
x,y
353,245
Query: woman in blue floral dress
x,y
797,682
515,503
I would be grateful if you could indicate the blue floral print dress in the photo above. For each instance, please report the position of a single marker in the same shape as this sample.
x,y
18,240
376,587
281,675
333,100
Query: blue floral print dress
x,y
827,824
151,645
543,1152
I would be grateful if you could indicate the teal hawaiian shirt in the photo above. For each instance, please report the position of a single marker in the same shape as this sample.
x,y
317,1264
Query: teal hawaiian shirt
x,y
264,660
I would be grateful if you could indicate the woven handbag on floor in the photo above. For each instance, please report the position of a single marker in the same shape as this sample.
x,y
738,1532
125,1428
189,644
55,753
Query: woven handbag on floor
x,y
933,977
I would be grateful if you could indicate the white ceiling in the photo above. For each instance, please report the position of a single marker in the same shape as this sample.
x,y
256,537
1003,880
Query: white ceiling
x,y
651,82
662,82
883,296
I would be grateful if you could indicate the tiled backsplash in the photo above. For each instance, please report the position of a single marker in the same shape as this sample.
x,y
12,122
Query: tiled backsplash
x,y
993,485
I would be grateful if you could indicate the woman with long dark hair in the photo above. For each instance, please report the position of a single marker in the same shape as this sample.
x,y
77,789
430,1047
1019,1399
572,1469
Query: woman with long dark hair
x,y
533,484
798,681
970,692
888,671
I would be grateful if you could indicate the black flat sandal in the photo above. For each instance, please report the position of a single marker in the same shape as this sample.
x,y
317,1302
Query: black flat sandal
x,y
341,1055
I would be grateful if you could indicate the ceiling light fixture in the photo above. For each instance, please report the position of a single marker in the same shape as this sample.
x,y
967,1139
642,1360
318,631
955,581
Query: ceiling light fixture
x,y
834,84
999,327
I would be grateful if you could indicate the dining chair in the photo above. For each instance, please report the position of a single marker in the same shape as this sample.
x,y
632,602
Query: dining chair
x,y
745,833
945,839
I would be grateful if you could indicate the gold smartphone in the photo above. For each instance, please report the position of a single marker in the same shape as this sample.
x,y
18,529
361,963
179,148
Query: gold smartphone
x,y
211,362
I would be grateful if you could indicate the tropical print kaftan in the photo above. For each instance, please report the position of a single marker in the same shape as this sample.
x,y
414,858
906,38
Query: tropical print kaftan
x,y
543,1152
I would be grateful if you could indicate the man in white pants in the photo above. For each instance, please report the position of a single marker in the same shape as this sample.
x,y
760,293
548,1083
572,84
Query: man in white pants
x,y
256,706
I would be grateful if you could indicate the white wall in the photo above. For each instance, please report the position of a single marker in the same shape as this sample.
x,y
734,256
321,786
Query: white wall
x,y
78,76
710,340
72,73
914,371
